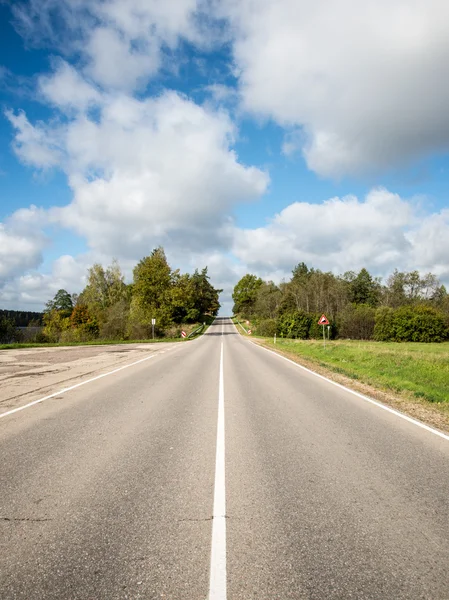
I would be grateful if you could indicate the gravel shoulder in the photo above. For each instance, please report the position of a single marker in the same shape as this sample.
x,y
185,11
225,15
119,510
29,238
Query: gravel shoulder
x,y
27,374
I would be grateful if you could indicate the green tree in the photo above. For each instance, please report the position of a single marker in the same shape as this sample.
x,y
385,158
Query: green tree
x,y
62,302
268,299
245,294
363,289
104,288
205,295
115,325
153,280
55,323
394,291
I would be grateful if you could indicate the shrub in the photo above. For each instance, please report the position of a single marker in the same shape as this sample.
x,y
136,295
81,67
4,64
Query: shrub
x,y
417,323
294,325
266,328
115,325
357,322
384,324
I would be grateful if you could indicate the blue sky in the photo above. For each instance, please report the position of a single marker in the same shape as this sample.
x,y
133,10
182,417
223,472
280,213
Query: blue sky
x,y
246,136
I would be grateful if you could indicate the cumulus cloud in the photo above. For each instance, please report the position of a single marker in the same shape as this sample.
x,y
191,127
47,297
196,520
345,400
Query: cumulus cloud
x,y
32,289
21,243
122,43
156,171
35,145
365,81
66,89
381,232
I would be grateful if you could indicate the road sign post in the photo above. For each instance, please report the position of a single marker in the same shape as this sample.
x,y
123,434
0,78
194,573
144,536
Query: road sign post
x,y
153,323
323,321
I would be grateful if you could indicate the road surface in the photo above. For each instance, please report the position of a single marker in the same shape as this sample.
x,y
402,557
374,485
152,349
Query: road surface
x,y
219,470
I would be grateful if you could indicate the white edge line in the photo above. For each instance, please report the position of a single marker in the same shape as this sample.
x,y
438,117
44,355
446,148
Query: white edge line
x,y
217,585
14,410
19,408
366,398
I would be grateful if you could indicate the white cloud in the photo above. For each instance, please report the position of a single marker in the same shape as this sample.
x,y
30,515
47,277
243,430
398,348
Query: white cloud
x,y
156,171
381,233
115,64
66,89
366,81
21,243
122,42
430,243
32,290
35,145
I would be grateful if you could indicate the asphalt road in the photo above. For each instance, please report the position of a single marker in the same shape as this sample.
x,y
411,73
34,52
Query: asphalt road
x,y
116,490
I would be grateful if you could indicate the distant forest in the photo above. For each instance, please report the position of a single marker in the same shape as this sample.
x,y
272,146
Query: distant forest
x,y
22,318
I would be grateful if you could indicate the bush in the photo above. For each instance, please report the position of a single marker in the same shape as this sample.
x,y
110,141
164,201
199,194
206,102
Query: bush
x,y
357,322
115,326
266,328
418,323
294,325
175,331
39,338
83,333
384,324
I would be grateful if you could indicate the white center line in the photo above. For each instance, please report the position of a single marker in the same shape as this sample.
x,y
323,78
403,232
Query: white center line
x,y
217,587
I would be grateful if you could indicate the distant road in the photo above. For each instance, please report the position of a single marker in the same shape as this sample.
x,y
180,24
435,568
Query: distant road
x,y
219,470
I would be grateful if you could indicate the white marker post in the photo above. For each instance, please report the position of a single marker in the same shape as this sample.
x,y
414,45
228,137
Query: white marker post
x,y
153,323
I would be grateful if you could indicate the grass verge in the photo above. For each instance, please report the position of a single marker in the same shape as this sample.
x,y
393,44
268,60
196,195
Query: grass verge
x,y
411,377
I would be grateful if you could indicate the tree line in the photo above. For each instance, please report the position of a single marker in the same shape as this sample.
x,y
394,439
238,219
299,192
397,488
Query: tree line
x,y
12,323
407,306
110,309
21,318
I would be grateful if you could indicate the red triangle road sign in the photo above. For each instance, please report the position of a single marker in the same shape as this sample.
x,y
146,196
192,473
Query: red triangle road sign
x,y
323,320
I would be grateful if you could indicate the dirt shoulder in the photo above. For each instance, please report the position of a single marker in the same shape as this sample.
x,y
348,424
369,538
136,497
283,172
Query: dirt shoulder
x,y
434,415
27,374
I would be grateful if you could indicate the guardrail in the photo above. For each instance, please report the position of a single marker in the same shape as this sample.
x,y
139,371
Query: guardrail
x,y
197,331
241,325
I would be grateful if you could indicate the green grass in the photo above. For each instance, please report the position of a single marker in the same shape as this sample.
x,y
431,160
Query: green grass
x,y
420,370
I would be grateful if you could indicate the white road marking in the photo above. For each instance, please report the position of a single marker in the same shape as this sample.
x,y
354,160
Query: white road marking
x,y
361,396
14,410
217,587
